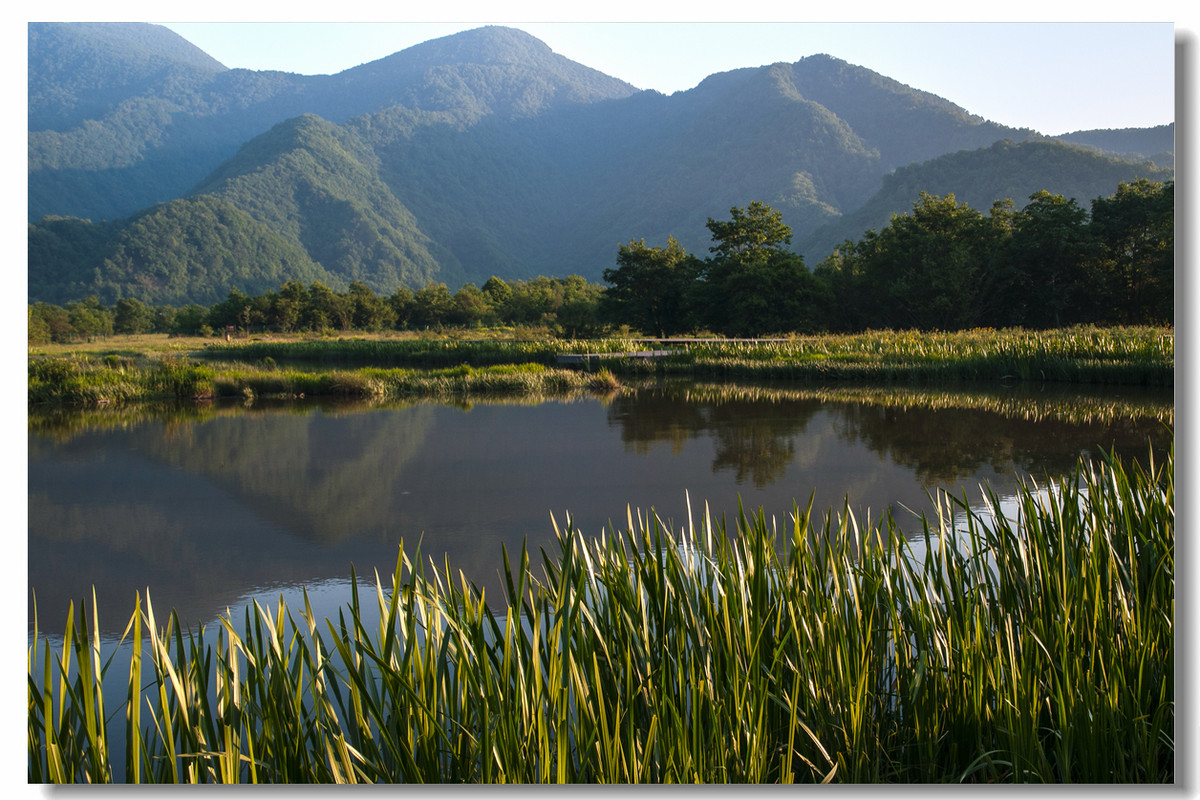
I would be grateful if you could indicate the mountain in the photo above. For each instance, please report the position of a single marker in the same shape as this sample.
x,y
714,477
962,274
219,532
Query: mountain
x,y
179,252
80,71
116,125
315,183
812,138
1005,170
482,153
1155,144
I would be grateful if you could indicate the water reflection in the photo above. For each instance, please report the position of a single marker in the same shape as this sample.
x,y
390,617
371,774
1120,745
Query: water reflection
x,y
208,506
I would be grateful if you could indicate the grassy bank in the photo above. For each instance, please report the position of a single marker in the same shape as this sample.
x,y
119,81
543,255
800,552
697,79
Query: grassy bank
x,y
84,380
383,367
1081,355
830,650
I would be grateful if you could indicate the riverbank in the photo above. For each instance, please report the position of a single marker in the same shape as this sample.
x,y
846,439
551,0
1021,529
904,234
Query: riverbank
x,y
706,654
375,367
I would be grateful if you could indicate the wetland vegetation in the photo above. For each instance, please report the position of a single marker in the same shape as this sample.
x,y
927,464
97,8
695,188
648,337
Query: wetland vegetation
x,y
382,367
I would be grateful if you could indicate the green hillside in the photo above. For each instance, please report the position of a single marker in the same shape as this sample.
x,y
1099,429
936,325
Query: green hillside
x,y
184,251
313,182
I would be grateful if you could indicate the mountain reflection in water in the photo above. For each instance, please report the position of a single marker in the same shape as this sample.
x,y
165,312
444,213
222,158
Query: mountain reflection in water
x,y
209,506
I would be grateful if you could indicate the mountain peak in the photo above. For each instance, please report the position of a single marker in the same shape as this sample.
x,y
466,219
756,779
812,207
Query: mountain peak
x,y
490,44
78,70
483,71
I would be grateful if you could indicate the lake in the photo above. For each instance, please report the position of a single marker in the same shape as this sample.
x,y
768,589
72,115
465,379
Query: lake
x,y
209,505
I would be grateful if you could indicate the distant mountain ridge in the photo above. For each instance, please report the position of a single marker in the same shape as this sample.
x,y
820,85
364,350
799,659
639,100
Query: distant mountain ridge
x,y
482,153
1135,144
1005,170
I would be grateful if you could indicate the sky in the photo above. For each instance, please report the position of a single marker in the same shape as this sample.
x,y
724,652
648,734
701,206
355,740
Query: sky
x,y
1054,77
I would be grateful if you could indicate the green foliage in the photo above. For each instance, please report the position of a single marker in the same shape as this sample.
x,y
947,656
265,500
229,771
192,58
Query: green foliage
x,y
945,266
652,288
922,270
131,316
750,286
750,235
1135,269
1049,249
316,183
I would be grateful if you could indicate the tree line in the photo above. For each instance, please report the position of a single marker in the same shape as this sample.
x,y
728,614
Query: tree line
x,y
565,306
942,266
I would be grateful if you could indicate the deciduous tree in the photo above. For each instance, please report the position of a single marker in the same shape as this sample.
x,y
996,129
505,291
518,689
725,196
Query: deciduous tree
x,y
651,289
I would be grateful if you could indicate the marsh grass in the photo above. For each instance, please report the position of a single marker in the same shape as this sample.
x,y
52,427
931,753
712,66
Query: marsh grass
x,y
1030,646
1130,355
82,380
444,366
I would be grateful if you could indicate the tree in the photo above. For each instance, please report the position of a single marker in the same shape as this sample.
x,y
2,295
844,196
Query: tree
x,y
753,284
325,309
432,305
1047,252
233,310
1135,266
498,294
652,287
749,234
130,315
52,319
774,293
401,304
854,304
579,312
931,258
287,306
470,306
191,320
89,318
368,311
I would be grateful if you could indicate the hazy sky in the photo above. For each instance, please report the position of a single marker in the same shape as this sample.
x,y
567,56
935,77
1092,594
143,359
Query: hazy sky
x,y
1053,77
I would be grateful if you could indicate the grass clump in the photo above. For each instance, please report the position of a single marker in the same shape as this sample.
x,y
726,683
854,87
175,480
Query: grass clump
x,y
1031,647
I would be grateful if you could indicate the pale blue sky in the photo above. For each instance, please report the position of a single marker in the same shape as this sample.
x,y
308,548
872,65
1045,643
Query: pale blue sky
x,y
1053,77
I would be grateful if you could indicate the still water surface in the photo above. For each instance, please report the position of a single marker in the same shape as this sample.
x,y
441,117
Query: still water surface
x,y
209,507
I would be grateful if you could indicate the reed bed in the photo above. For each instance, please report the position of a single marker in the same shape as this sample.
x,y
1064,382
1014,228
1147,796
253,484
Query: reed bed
x,y
439,367
426,353
1033,646
87,381
1075,407
1130,355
